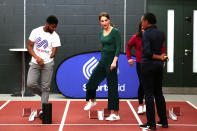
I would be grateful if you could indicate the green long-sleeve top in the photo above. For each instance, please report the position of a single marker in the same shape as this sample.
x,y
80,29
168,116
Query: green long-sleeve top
x,y
111,42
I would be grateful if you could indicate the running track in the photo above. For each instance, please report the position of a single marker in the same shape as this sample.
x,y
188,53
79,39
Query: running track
x,y
69,115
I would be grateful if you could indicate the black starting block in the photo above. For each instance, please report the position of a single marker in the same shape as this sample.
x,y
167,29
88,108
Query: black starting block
x,y
26,112
47,113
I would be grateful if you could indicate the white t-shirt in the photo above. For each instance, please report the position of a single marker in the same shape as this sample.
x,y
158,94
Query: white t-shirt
x,y
44,41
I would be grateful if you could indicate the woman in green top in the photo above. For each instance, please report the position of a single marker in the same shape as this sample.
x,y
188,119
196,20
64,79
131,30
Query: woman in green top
x,y
106,68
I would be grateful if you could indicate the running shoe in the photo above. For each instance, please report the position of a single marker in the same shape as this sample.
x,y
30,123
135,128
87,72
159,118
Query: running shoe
x,y
140,110
32,116
89,105
144,108
163,125
113,117
148,127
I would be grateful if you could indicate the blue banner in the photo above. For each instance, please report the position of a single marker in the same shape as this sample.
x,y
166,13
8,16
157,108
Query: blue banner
x,y
74,72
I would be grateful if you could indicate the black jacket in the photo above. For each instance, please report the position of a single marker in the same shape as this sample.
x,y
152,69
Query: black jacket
x,y
152,40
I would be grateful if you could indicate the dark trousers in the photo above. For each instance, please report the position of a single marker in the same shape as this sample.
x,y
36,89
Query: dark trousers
x,y
101,72
152,73
140,89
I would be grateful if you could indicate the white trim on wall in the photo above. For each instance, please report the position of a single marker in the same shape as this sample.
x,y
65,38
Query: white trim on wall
x,y
170,40
195,42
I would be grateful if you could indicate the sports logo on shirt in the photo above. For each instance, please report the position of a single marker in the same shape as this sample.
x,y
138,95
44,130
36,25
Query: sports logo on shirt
x,y
41,43
89,66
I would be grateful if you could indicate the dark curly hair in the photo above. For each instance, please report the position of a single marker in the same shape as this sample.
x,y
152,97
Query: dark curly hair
x,y
52,20
150,17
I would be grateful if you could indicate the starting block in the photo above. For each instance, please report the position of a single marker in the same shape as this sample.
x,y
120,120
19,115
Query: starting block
x,y
177,111
26,112
99,114
47,113
174,112
96,114
106,112
93,114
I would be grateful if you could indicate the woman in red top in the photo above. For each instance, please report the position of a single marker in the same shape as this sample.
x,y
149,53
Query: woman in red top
x,y
136,41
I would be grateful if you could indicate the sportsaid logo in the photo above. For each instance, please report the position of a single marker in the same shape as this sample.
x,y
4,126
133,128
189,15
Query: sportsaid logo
x,y
89,66
73,74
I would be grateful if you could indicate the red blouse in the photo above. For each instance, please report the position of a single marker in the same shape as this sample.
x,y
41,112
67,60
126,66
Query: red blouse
x,y
136,42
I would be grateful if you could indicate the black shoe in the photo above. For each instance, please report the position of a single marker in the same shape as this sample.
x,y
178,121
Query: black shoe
x,y
163,125
148,127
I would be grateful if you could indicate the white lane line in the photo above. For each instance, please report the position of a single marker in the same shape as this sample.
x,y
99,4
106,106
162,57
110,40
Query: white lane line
x,y
64,116
184,125
135,114
4,104
191,104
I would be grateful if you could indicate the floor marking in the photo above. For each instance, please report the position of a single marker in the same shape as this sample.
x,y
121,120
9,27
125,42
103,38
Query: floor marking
x,y
73,100
102,124
4,104
191,104
64,116
184,125
135,114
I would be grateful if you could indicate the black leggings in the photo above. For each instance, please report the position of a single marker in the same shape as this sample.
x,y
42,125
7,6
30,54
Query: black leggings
x,y
140,89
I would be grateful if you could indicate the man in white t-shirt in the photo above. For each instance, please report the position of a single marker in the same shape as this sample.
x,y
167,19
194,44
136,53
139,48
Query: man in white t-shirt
x,y
42,45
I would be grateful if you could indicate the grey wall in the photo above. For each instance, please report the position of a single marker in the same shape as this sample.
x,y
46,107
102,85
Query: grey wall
x,y
78,29
11,36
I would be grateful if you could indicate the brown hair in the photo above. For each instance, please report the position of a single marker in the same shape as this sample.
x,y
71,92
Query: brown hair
x,y
105,14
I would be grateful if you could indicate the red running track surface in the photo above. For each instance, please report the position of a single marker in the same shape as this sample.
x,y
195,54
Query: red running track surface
x,y
76,119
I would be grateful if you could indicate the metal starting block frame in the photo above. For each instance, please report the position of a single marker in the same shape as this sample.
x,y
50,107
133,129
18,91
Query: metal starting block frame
x,y
27,112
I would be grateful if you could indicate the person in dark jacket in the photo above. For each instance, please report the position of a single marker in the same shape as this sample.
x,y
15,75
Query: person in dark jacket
x,y
152,71
136,41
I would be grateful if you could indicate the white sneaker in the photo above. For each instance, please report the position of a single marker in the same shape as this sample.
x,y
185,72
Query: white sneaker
x,y
113,117
144,109
172,115
140,110
33,115
89,105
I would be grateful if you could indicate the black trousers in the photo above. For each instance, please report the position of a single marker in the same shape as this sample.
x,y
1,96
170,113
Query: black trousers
x,y
140,89
152,74
101,72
